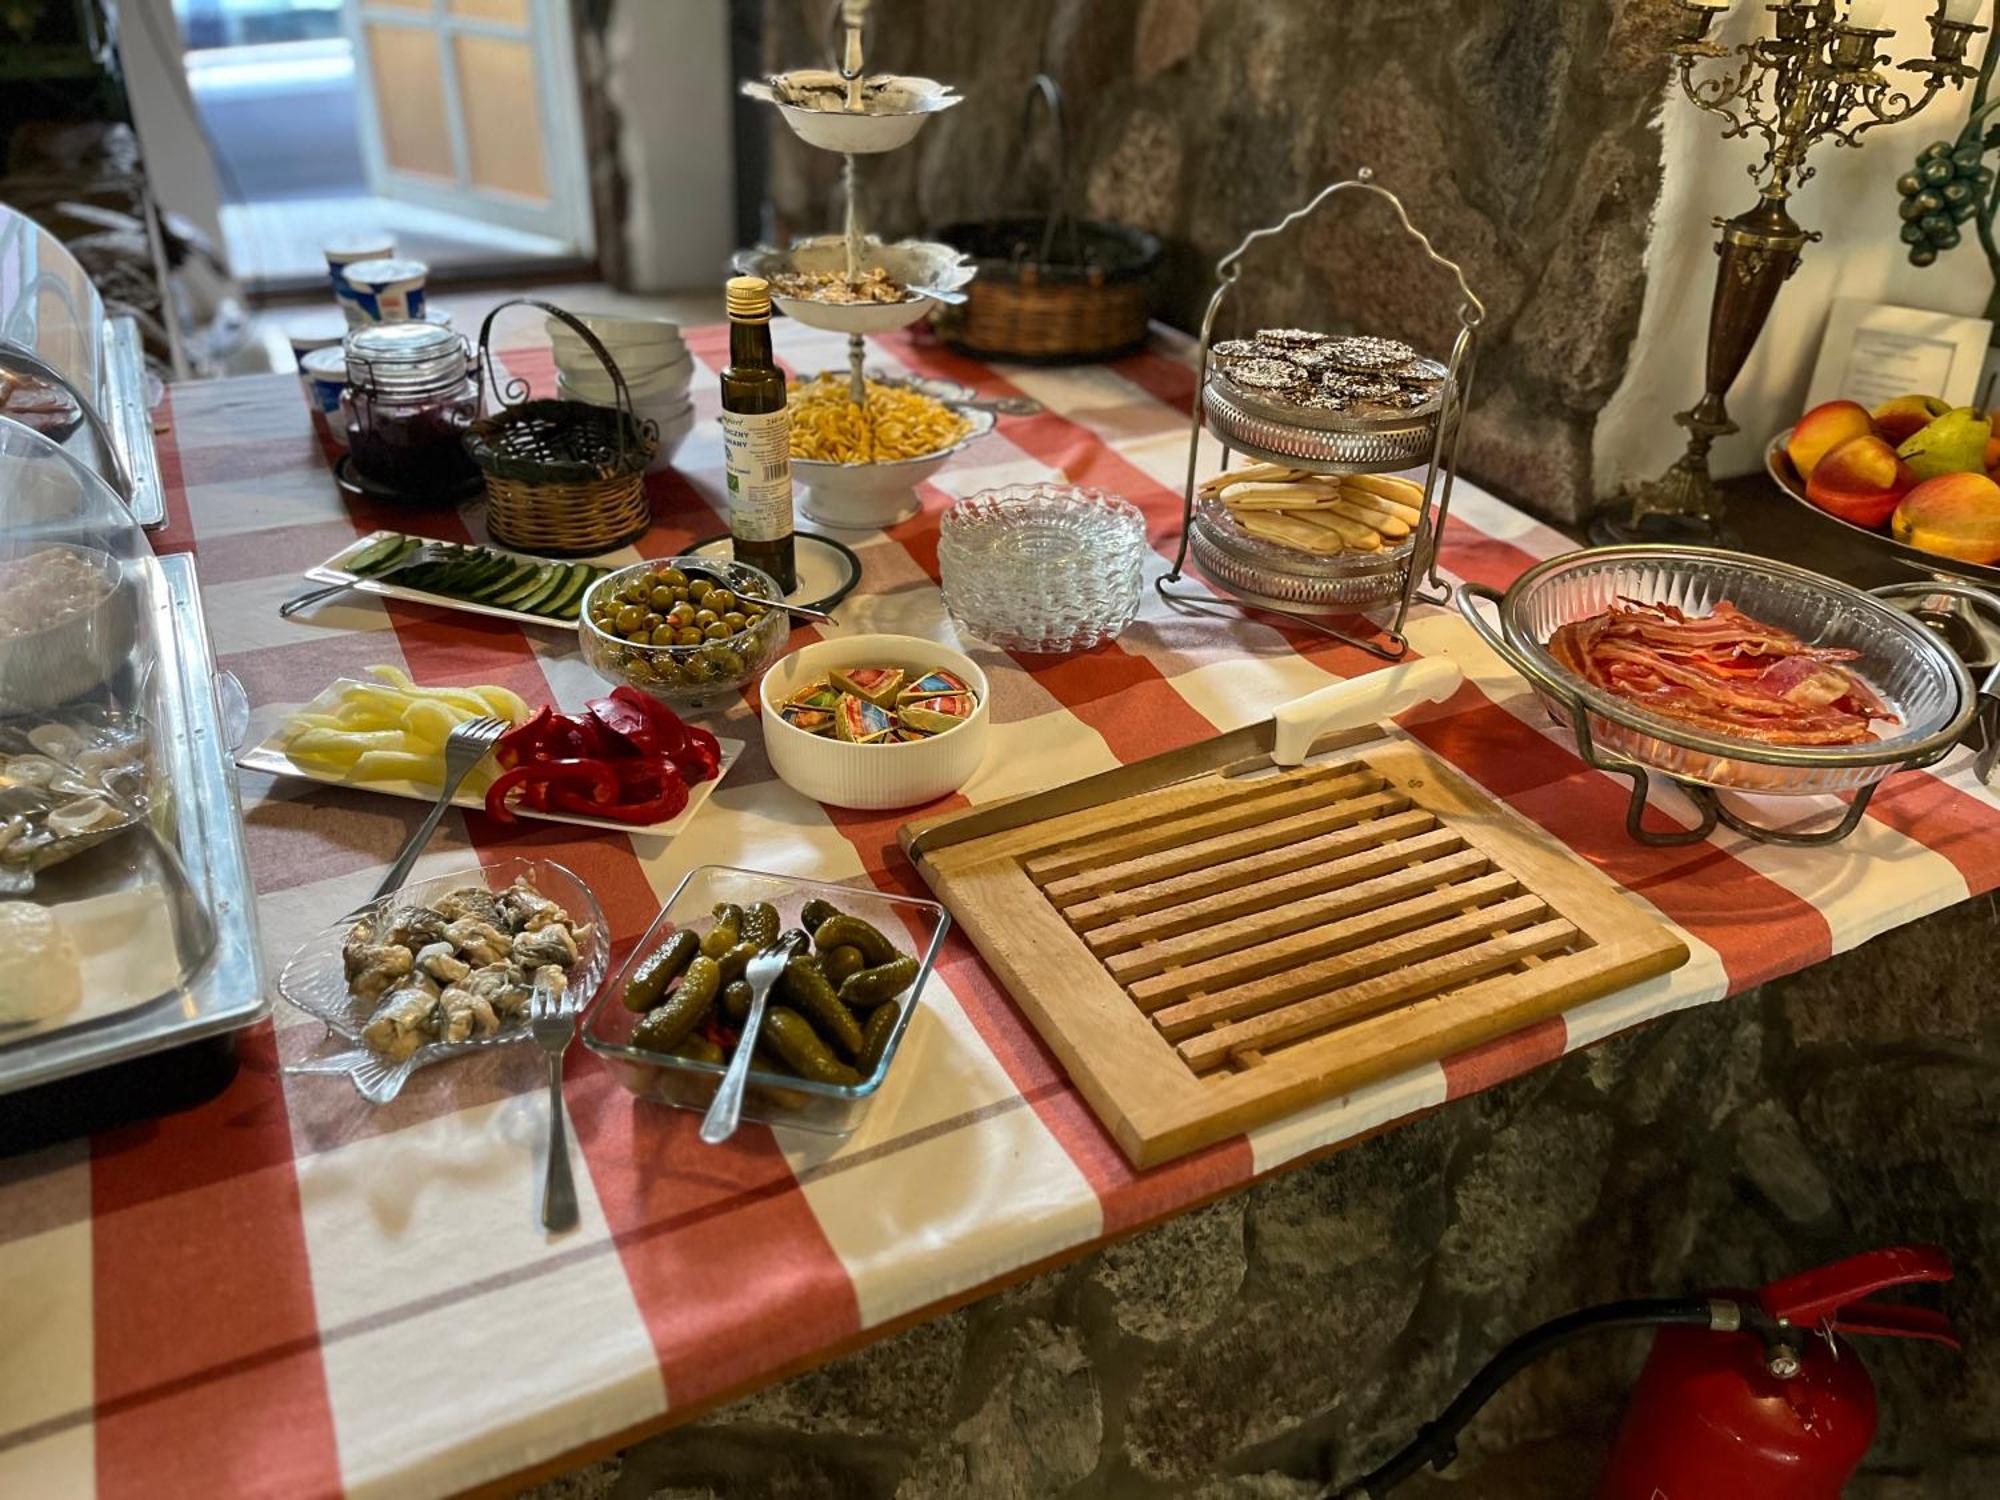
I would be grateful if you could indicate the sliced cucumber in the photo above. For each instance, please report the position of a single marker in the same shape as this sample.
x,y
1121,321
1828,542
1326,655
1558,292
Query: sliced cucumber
x,y
372,557
532,580
551,579
566,601
512,573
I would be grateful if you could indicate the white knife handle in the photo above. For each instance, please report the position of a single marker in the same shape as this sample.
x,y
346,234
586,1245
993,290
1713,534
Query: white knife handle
x,y
1359,700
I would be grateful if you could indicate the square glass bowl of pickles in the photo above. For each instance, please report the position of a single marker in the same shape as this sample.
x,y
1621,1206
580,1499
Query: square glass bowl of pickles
x,y
668,1021
684,628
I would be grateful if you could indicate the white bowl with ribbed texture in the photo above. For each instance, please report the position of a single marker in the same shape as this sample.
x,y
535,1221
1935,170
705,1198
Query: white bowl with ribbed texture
x,y
872,777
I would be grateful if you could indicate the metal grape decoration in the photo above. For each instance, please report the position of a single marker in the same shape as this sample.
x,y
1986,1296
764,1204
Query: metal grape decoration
x,y
1951,186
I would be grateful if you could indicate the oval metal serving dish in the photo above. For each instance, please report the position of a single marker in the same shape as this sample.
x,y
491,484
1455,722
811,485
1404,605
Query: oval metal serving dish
x,y
1905,663
1778,464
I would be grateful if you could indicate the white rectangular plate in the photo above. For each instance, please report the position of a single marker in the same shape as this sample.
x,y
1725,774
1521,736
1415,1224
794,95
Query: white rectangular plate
x,y
326,572
270,757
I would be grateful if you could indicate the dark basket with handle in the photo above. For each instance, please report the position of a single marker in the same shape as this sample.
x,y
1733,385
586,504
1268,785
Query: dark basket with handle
x,y
1051,288
563,478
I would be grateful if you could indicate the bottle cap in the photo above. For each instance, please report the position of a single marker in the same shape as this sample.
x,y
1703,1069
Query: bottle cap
x,y
748,299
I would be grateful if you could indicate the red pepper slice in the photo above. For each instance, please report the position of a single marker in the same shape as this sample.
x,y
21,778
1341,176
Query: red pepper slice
x,y
669,732
673,796
546,783
518,743
629,728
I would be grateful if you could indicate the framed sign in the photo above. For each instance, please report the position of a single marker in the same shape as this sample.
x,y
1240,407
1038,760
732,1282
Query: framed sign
x,y
1873,352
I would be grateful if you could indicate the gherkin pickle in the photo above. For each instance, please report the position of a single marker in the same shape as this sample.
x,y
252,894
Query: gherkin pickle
x,y
760,924
698,1049
703,977
875,1036
840,962
736,959
816,911
806,987
736,1000
656,971
723,935
794,1039
843,929
669,1022
883,982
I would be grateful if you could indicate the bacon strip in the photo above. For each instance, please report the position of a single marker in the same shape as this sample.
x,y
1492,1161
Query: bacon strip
x,y
1724,672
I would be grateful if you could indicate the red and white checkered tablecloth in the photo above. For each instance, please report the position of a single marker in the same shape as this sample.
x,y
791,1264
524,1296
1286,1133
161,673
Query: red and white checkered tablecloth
x,y
288,1293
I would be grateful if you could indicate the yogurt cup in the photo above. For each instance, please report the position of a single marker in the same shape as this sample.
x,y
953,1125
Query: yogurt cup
x,y
321,328
323,375
342,253
387,291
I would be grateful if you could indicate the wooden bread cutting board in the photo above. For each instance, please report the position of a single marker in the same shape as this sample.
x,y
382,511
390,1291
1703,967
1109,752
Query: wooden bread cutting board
x,y
1222,952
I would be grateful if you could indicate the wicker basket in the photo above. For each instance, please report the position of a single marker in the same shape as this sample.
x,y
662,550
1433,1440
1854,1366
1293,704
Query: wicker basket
x,y
1066,311
563,478
1051,289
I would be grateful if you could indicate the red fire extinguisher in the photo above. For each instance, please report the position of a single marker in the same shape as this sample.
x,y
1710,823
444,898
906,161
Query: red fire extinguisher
x,y
1744,1394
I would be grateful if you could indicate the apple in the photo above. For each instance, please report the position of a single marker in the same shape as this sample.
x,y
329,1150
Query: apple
x,y
1905,416
1823,429
1860,481
1954,515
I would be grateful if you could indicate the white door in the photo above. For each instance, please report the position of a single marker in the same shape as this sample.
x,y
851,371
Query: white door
x,y
470,106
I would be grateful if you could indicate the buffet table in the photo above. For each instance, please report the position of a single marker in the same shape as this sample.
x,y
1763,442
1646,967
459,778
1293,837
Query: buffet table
x,y
287,1292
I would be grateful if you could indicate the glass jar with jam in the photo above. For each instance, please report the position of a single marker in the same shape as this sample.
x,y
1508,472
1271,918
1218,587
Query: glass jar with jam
x,y
410,393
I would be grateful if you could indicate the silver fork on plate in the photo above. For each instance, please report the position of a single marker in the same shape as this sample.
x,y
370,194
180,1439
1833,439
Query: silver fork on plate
x,y
553,1023
726,1108
430,552
465,747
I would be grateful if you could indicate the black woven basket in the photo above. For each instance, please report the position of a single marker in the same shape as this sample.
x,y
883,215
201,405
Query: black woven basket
x,y
1051,288
563,478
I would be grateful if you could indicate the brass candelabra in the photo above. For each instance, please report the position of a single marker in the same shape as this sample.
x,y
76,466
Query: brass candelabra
x,y
1816,76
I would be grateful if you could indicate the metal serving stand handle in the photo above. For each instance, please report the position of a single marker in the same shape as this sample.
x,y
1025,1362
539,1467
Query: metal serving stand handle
x,y
1439,472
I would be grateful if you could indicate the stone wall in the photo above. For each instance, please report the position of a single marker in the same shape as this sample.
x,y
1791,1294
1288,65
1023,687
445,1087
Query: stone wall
x,y
1520,137
1303,1329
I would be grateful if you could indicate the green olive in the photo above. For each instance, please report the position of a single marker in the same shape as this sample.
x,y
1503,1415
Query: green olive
x,y
705,617
639,638
717,631
682,614
720,600
673,578
630,618
687,635
663,635
724,662
661,597
698,587
735,620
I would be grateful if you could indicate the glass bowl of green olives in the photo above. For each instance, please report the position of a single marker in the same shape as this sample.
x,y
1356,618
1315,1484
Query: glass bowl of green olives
x,y
684,629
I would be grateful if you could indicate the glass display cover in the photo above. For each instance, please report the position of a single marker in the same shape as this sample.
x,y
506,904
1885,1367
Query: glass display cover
x,y
120,840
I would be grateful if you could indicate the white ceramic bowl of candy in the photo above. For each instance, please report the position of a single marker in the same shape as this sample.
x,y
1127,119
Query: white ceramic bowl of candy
x,y
918,735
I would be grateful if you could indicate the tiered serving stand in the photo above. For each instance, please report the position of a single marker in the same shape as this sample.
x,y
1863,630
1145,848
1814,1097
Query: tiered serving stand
x,y
932,272
1303,588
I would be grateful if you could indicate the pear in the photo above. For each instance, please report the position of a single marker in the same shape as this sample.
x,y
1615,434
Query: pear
x,y
1954,443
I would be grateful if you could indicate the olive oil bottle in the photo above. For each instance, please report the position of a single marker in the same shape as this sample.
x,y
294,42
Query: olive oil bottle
x,y
757,436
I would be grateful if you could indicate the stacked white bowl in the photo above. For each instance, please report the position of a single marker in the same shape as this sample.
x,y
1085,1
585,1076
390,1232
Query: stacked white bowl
x,y
652,356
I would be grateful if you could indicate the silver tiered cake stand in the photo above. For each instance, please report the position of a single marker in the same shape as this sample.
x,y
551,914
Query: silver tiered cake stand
x,y
1302,587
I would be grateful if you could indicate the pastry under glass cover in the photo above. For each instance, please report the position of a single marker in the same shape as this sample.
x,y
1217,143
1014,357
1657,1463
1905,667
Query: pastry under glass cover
x,y
125,916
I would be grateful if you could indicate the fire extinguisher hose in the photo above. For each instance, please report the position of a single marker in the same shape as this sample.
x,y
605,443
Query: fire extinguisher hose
x,y
1436,1443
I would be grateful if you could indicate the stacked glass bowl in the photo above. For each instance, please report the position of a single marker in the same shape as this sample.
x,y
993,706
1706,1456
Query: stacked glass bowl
x,y
1042,568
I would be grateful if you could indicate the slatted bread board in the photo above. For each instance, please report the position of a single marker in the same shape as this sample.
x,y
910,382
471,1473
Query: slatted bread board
x,y
1222,952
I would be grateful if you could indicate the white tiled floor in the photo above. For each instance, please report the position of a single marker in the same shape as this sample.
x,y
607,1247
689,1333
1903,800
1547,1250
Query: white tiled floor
x,y
279,240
